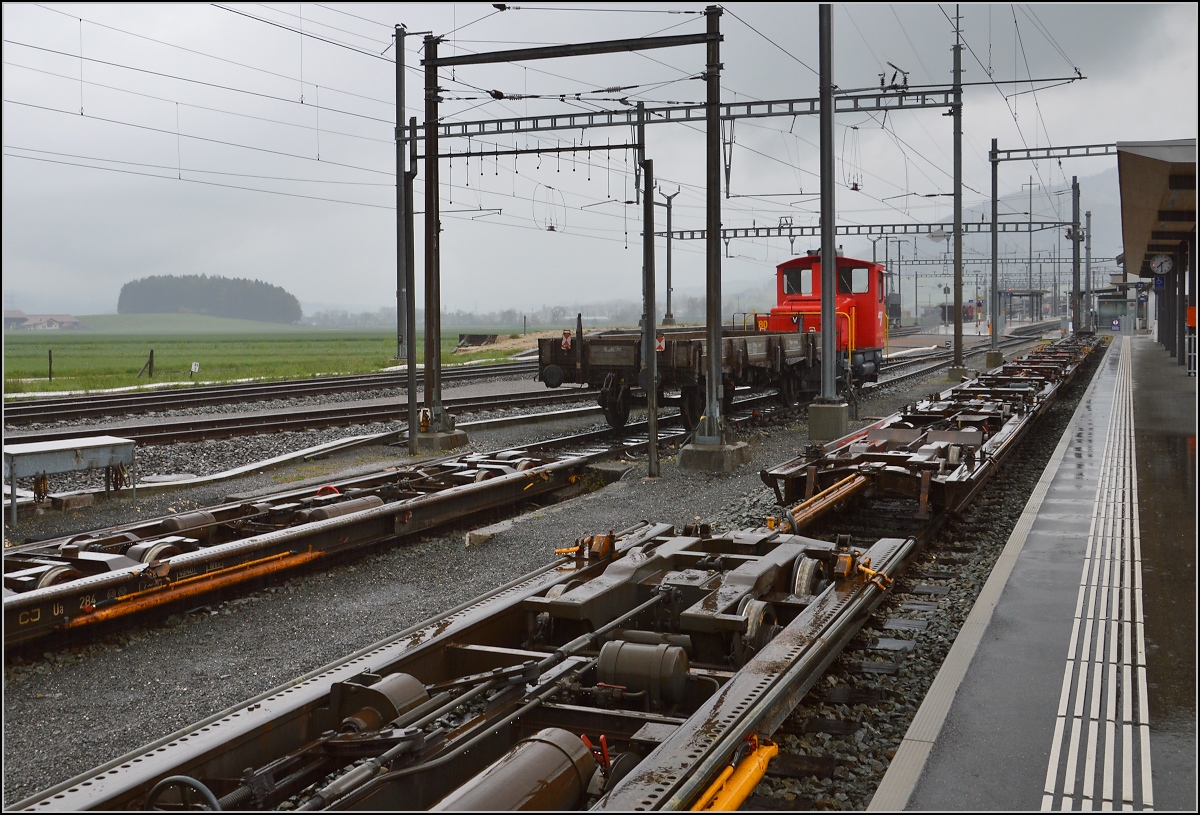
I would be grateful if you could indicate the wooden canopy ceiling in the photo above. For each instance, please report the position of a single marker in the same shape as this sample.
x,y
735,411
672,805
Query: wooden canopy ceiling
x,y
1158,200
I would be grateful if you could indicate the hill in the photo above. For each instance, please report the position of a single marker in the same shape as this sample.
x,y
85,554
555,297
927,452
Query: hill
x,y
215,296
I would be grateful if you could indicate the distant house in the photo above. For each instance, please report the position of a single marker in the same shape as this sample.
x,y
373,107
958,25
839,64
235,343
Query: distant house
x,y
40,322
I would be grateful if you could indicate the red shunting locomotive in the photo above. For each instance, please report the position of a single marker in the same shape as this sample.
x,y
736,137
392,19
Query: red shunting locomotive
x,y
860,313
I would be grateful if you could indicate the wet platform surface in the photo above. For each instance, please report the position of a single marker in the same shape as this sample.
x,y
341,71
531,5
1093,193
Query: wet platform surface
x,y
1072,686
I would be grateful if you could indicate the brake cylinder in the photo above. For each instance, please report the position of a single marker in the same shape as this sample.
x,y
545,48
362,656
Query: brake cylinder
x,y
338,510
188,520
369,707
549,771
660,669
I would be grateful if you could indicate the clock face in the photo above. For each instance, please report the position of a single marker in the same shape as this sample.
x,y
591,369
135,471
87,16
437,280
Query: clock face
x,y
1161,264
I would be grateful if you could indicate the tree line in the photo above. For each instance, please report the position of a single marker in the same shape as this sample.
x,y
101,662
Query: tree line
x,y
685,309
216,296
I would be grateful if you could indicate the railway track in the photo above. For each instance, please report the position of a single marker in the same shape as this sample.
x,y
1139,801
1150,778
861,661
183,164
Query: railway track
x,y
196,428
199,428
111,576
94,406
130,588
666,649
109,581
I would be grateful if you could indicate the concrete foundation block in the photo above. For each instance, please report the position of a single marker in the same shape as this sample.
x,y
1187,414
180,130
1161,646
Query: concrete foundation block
x,y
994,359
827,422
69,501
960,374
478,537
714,458
437,442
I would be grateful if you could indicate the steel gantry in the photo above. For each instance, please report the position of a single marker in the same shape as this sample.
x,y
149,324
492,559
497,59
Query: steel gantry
x,y
1034,154
888,98
712,112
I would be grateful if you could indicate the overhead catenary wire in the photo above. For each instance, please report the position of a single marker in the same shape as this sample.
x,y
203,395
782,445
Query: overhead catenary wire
x,y
389,102
303,33
386,184
200,138
203,107
199,181
216,85
311,21
792,163
730,12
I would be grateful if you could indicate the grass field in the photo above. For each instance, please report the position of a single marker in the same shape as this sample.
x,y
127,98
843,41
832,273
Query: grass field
x,y
112,349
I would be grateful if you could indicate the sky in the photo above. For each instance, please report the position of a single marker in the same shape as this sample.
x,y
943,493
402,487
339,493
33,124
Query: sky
x,y
257,141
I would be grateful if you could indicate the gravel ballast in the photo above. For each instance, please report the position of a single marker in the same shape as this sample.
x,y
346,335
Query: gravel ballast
x,y
72,709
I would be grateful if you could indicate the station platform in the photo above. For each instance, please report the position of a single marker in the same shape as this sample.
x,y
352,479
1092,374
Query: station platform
x,y
1072,685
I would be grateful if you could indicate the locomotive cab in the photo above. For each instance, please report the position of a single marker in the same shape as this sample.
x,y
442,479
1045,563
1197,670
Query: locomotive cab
x,y
860,318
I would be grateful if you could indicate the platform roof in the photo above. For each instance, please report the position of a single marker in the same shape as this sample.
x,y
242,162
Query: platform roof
x,y
1158,199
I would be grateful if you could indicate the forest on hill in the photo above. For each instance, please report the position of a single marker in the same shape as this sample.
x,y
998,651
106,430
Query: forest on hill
x,y
215,296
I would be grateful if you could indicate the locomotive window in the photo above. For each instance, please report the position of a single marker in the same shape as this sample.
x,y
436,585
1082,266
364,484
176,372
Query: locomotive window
x,y
797,281
852,279
881,287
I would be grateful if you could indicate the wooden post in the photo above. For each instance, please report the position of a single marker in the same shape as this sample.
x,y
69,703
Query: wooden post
x,y
50,375
151,363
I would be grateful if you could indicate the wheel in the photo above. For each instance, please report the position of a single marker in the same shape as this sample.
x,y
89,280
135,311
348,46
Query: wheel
x,y
188,794
807,576
789,387
57,575
616,408
691,406
761,626
552,376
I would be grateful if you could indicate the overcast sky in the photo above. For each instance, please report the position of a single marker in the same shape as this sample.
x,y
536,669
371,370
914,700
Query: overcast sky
x,y
198,138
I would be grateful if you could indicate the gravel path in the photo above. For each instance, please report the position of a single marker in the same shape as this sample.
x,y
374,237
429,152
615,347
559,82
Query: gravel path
x,y
76,708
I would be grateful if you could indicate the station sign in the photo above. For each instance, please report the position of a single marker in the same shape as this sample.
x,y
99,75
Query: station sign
x,y
1160,282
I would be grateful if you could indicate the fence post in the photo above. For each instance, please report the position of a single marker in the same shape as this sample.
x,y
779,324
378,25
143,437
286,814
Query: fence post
x,y
50,356
151,363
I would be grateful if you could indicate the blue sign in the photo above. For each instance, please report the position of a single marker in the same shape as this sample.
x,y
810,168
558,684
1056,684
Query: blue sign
x,y
1116,324
1160,282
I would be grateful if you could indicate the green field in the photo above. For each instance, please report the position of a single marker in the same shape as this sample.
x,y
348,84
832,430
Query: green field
x,y
111,351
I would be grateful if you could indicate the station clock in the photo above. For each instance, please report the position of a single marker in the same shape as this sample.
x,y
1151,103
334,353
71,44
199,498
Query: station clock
x,y
1161,264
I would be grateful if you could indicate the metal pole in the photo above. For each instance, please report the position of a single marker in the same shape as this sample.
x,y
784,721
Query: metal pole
x,y
1180,317
916,281
1087,238
405,278
401,207
639,161
828,212
1075,315
648,332
958,270
712,432
1030,289
887,264
410,284
433,305
994,305
668,317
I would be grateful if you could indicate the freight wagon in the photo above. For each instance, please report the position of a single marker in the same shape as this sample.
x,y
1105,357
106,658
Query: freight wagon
x,y
780,349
